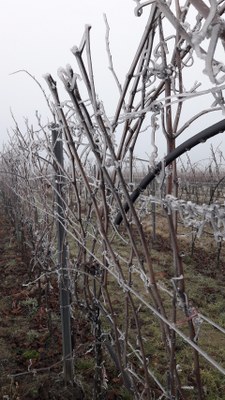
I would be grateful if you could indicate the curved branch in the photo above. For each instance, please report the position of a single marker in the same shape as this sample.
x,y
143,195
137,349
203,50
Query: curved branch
x,y
200,137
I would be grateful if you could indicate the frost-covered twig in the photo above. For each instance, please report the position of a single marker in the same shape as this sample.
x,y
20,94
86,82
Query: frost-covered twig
x,y
110,58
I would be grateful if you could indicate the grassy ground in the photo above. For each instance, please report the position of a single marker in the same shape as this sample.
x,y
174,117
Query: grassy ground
x,y
204,272
27,341
30,337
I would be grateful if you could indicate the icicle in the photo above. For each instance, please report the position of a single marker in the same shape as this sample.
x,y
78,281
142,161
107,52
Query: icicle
x,y
154,126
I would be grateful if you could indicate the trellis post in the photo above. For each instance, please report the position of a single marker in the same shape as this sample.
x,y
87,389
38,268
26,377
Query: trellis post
x,y
65,297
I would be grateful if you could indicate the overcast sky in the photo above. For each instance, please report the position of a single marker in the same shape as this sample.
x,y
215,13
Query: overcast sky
x,y
38,36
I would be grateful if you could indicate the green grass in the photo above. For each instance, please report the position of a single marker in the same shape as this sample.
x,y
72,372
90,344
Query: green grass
x,y
30,354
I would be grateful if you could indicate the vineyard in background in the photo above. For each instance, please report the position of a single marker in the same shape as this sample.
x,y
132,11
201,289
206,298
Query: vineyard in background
x,y
136,247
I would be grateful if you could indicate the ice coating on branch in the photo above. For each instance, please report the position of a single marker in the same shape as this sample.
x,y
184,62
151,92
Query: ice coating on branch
x,y
50,80
69,70
87,27
194,215
154,126
75,50
63,75
46,76
211,29
139,7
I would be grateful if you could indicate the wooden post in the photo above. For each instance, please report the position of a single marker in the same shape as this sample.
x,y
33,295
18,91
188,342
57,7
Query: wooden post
x,y
62,256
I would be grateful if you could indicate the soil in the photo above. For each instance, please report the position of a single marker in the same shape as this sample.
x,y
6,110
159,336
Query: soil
x,y
30,338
